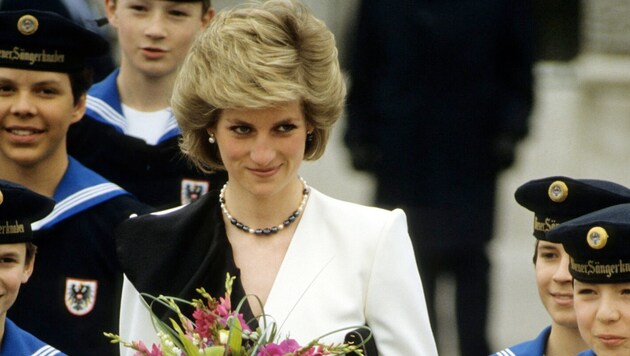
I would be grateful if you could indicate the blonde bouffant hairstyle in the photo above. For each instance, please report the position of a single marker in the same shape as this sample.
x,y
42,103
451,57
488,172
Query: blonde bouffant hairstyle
x,y
255,56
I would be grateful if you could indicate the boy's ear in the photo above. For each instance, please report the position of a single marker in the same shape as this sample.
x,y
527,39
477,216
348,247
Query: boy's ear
x,y
207,17
28,270
79,108
110,11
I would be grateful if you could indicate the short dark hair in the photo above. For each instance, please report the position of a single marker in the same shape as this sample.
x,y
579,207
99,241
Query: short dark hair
x,y
31,250
205,5
535,259
80,82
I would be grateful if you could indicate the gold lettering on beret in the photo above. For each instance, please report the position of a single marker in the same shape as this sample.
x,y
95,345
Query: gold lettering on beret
x,y
16,228
20,54
596,268
544,225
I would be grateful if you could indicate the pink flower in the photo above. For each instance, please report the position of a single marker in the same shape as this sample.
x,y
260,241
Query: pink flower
x,y
285,347
317,350
224,307
204,323
243,323
144,351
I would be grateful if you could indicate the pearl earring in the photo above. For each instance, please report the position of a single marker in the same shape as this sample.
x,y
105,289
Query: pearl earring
x,y
211,139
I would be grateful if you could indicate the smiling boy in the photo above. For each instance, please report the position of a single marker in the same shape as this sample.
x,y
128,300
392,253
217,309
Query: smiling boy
x,y
18,208
75,296
599,246
554,200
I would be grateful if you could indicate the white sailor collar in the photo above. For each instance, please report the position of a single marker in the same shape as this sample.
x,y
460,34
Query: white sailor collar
x,y
103,105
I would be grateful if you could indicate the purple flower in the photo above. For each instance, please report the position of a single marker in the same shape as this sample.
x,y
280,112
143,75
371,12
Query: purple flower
x,y
287,346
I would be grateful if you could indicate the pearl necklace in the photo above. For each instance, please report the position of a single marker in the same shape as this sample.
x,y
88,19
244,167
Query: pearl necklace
x,y
267,230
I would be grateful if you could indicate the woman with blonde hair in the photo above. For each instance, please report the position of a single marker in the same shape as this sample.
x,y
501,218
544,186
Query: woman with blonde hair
x,y
258,94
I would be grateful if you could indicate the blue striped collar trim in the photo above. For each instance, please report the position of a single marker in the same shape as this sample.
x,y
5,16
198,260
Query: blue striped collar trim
x,y
99,110
78,202
172,129
46,351
103,105
16,341
79,189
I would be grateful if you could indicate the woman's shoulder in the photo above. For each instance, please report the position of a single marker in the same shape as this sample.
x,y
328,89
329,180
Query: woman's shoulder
x,y
164,219
359,218
343,208
120,208
168,229
173,241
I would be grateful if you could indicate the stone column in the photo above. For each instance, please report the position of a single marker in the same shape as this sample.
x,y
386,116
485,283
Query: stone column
x,y
603,71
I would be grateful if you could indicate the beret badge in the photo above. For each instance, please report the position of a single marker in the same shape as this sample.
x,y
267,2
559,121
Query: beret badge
x,y
558,191
27,25
597,238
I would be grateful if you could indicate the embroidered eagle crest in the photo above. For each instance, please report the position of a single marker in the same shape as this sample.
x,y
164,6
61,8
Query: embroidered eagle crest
x,y
80,295
193,190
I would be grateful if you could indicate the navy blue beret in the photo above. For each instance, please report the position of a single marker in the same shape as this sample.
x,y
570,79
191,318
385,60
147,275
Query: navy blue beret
x,y
557,199
42,40
598,243
19,207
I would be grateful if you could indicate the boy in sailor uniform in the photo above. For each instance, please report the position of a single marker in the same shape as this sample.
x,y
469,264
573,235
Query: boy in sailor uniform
x,y
128,113
18,208
599,246
553,201
44,78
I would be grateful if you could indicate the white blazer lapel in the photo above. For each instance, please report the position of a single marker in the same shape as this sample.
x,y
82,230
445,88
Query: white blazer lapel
x,y
308,255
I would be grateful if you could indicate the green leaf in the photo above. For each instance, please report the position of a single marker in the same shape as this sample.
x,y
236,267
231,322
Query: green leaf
x,y
214,351
235,340
189,347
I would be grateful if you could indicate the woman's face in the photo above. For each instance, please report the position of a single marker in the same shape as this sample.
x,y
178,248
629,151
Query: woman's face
x,y
262,149
36,110
555,282
603,316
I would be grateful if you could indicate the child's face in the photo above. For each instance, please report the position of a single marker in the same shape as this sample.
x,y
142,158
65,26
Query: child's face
x,y
603,316
154,36
13,272
555,282
36,110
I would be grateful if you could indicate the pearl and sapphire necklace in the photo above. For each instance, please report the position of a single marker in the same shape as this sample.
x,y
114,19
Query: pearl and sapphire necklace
x,y
267,230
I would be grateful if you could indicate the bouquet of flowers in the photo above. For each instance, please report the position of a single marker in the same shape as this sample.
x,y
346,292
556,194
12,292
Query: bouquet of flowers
x,y
217,330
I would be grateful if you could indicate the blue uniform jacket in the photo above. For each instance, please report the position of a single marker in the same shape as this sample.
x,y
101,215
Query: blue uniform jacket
x,y
158,175
535,347
19,342
76,267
